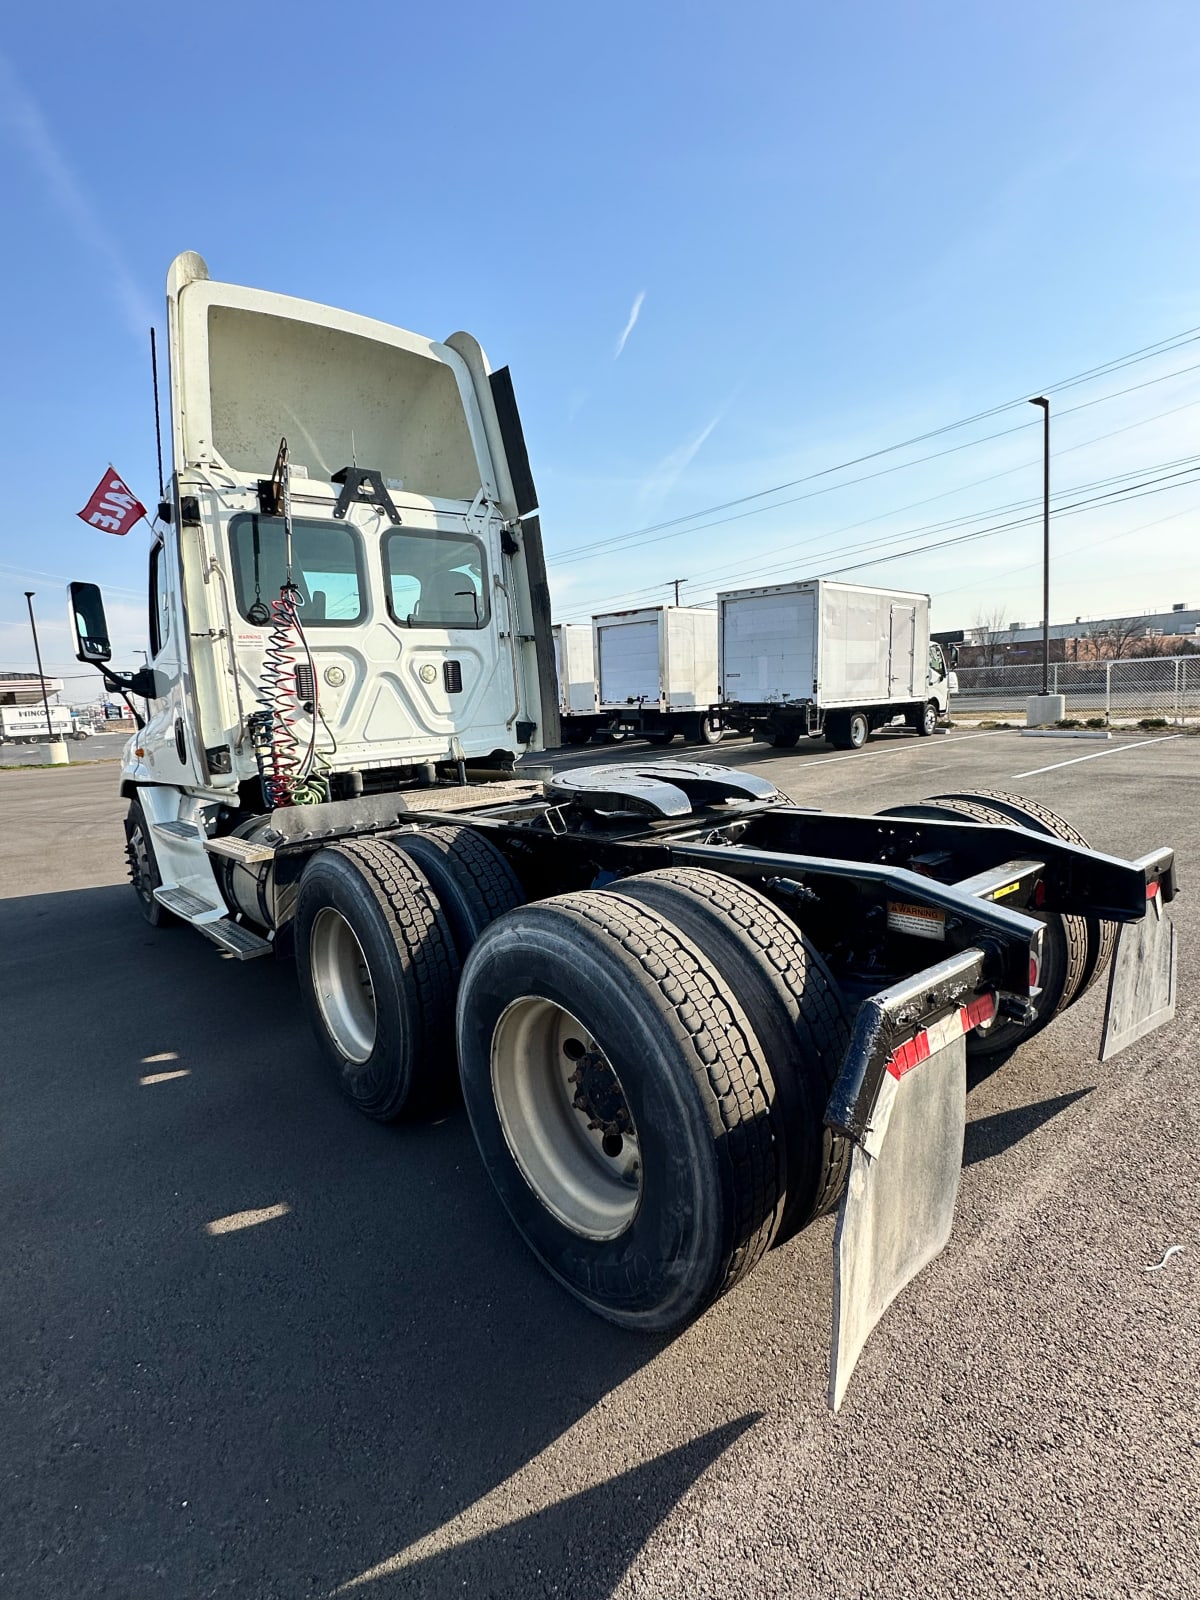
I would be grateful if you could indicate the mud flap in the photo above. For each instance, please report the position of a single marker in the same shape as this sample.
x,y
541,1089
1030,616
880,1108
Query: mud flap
x,y
1141,985
898,1208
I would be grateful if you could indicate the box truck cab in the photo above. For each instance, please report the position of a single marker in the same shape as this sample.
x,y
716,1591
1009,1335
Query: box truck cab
x,y
841,659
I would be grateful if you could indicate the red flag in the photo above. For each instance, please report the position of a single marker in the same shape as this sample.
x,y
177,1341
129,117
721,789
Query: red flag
x,y
112,507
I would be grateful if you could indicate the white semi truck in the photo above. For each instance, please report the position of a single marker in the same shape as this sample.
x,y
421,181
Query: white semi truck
x,y
687,1017
841,659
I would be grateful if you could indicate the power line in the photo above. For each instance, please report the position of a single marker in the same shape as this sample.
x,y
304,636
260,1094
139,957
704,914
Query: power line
x,y
790,550
589,552
1134,491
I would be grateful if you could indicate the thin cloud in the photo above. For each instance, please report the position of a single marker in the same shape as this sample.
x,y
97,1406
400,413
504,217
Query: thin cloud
x,y
630,325
42,150
666,474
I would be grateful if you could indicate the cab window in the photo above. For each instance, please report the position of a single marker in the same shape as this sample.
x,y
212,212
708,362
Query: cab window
x,y
160,614
937,666
326,569
435,580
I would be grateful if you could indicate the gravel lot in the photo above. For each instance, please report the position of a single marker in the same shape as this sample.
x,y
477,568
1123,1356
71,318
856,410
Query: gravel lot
x,y
378,1392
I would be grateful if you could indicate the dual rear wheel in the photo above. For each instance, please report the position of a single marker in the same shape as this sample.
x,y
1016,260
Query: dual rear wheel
x,y
645,1067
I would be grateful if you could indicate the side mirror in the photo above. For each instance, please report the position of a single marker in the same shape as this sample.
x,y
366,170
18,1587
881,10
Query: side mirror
x,y
88,624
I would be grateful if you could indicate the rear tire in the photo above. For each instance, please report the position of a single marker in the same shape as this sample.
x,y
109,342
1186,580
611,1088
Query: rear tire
x,y
576,736
473,882
783,738
1064,945
847,730
1101,935
377,969
646,1236
661,736
706,730
794,1007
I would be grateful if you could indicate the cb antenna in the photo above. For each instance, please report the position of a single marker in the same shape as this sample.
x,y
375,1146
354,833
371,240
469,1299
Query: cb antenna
x,y
157,423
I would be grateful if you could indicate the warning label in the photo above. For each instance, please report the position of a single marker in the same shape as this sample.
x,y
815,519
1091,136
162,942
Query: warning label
x,y
922,922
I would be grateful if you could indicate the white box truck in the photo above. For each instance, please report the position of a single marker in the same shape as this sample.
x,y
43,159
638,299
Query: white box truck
x,y
822,657
575,670
656,674
27,725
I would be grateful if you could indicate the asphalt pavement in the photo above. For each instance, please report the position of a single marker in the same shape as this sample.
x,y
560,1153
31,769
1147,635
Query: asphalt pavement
x,y
252,1344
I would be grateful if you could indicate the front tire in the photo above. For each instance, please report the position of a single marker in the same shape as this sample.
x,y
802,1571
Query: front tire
x,y
377,968
143,867
926,720
621,1105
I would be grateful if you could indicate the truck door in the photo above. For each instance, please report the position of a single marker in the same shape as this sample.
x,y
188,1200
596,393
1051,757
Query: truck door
x,y
902,639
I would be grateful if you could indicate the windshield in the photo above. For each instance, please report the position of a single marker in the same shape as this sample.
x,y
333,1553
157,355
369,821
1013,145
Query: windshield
x,y
326,569
435,580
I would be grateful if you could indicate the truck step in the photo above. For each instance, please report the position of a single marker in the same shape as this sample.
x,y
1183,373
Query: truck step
x,y
188,905
247,851
239,941
178,830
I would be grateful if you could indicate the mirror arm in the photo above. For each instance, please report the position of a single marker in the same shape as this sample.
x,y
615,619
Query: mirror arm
x,y
125,684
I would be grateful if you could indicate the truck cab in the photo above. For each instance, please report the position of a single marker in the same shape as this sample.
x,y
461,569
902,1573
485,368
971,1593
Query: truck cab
x,y
408,543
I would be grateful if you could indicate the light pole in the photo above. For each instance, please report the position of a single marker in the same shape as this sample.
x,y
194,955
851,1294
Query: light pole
x,y
1042,401
37,650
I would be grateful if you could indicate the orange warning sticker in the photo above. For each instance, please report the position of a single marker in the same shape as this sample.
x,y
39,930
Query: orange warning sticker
x,y
922,922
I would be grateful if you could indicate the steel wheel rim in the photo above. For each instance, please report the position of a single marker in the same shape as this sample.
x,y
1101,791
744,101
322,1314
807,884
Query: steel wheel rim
x,y
930,718
139,862
544,1062
858,730
342,984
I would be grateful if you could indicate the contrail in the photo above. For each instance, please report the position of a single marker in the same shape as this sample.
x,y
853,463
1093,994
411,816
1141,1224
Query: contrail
x,y
630,325
33,134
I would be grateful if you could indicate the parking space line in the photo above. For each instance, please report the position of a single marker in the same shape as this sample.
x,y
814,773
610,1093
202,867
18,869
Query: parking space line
x,y
909,744
1136,744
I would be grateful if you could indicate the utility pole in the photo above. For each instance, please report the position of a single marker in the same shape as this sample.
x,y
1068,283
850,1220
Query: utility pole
x,y
1042,401
29,594
677,582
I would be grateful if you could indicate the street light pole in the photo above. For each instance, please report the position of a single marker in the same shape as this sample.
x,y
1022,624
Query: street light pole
x,y
37,650
1042,401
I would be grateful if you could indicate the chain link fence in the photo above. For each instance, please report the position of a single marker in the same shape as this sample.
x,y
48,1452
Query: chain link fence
x,y
1120,691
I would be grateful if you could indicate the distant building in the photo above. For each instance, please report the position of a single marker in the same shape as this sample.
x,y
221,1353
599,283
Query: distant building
x,y
25,688
1155,633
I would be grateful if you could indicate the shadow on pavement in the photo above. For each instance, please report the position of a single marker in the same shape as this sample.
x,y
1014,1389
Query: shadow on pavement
x,y
273,1409
989,1136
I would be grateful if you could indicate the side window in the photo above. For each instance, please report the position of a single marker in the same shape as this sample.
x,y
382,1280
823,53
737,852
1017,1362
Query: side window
x,y
937,667
160,614
436,580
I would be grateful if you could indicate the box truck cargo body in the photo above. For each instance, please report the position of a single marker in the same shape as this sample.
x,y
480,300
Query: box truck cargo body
x,y
820,656
27,724
655,674
576,668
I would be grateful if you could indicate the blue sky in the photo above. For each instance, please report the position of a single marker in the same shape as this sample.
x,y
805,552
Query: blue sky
x,y
722,248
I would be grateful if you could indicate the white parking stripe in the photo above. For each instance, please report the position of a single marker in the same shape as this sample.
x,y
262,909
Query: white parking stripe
x,y
913,744
1137,744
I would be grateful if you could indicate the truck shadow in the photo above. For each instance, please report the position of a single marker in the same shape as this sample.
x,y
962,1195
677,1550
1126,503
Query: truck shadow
x,y
990,1136
323,1386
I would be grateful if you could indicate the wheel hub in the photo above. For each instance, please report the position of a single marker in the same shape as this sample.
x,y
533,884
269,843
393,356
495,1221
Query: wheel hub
x,y
565,1117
